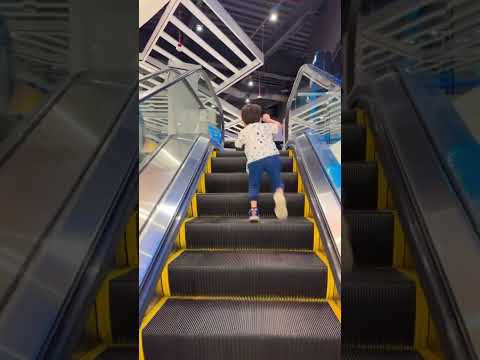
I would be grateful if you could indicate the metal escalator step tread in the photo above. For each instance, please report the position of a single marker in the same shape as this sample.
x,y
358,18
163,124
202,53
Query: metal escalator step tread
x,y
378,308
229,145
296,233
348,116
371,236
248,273
238,182
241,330
242,153
124,307
353,142
359,185
239,164
380,355
119,353
237,204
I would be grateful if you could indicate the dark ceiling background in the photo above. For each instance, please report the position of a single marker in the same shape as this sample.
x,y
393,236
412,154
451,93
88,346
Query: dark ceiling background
x,y
303,28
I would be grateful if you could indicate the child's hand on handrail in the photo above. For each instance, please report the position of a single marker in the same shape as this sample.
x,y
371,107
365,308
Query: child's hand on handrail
x,y
267,119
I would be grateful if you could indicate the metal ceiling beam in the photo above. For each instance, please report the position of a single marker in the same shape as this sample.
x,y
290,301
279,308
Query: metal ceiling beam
x,y
265,96
308,8
275,76
148,9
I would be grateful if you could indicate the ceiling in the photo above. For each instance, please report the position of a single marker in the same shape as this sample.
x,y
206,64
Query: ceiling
x,y
287,43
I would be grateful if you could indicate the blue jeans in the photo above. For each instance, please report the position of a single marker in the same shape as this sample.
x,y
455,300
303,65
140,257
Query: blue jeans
x,y
272,165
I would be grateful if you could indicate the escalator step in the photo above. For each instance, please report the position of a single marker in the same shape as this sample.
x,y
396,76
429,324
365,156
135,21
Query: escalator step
x,y
242,153
124,307
117,353
353,142
238,182
234,233
240,330
237,204
380,355
229,145
248,273
371,236
348,116
239,164
378,309
359,185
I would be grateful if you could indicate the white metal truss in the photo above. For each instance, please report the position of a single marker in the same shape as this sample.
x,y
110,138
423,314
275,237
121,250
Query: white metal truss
x,y
319,116
227,70
40,36
426,35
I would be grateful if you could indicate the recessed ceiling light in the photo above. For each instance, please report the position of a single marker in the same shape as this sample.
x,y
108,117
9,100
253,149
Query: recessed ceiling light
x,y
199,27
274,16
250,83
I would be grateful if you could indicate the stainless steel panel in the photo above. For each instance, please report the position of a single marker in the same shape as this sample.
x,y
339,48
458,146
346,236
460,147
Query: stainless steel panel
x,y
323,192
166,210
55,200
160,172
452,236
37,179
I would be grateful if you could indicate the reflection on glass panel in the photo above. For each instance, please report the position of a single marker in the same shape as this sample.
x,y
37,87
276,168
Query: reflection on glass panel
x,y
177,102
34,55
315,105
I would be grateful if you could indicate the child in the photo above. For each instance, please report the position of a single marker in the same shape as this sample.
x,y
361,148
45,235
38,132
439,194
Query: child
x,y
262,155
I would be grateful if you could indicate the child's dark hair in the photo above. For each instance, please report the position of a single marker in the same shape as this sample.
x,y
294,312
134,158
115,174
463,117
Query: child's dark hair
x,y
251,113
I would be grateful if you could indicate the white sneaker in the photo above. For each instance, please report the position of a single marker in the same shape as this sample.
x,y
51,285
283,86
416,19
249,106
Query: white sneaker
x,y
280,205
254,216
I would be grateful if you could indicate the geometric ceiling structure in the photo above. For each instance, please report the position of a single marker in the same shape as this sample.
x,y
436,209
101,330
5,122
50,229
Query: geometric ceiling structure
x,y
200,33
39,31
420,36
314,105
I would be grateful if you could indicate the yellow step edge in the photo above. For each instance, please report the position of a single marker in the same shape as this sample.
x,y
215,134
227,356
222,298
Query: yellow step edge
x,y
94,353
317,244
91,326
146,320
306,207
182,236
330,281
336,309
131,238
422,315
306,251
429,355
102,304
402,257
193,208
121,257
164,276
250,298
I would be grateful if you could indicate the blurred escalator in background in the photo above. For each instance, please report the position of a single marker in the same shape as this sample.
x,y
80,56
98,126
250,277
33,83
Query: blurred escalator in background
x,y
68,180
409,143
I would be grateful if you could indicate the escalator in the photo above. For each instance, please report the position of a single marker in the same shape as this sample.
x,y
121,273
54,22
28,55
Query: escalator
x,y
110,330
237,290
385,313
73,288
